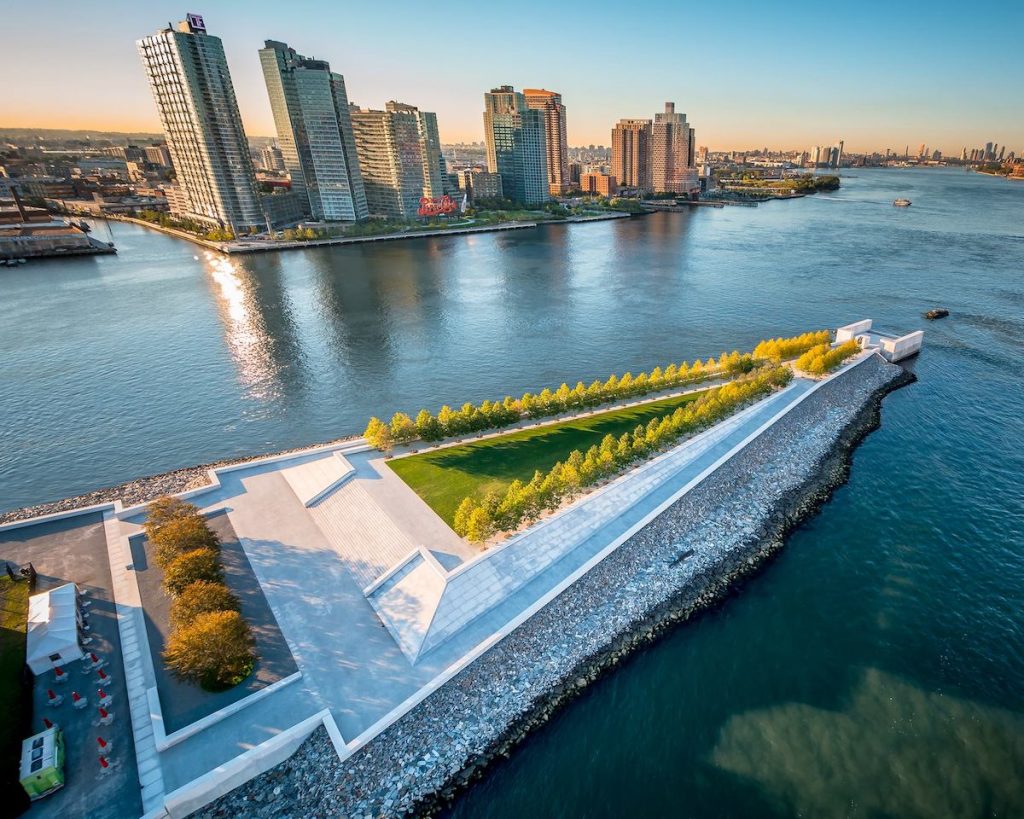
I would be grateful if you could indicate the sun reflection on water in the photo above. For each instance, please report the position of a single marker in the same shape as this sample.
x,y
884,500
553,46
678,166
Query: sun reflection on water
x,y
246,333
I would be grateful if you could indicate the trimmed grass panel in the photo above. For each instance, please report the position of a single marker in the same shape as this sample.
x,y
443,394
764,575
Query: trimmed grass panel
x,y
445,476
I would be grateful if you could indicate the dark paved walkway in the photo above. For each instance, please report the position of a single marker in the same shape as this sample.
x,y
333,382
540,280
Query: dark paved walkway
x,y
75,550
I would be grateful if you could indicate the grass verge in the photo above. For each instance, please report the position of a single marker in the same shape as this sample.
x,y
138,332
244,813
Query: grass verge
x,y
444,477
13,690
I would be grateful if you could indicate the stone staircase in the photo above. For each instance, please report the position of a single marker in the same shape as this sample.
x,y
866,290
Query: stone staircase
x,y
367,540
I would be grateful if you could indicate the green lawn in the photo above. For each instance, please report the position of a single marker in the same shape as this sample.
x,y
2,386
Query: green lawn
x,y
13,622
445,476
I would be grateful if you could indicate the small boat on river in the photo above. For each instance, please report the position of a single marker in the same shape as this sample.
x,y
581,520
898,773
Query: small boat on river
x,y
901,203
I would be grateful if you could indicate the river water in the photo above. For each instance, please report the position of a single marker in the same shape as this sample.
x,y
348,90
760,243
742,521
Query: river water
x,y
874,668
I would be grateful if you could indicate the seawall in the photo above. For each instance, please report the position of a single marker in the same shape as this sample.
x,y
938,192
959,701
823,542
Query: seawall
x,y
685,560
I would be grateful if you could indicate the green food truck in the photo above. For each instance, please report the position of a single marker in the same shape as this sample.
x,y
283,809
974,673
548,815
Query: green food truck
x,y
42,763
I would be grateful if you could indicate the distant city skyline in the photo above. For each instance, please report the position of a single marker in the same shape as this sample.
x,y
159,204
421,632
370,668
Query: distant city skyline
x,y
876,86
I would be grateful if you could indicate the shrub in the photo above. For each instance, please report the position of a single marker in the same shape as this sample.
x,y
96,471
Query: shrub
x,y
185,534
200,597
216,650
187,568
164,510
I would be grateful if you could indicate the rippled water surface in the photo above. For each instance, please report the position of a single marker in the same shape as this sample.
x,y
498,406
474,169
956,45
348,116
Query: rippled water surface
x,y
873,669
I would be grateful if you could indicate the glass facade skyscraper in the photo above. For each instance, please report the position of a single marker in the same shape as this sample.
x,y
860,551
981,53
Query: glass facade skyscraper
x,y
314,132
188,75
549,103
516,146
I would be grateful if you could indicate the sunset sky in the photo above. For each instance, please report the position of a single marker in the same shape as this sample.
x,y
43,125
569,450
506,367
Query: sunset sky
x,y
747,74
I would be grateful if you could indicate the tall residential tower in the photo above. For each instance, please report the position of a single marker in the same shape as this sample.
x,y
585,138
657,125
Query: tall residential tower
x,y
673,169
400,156
188,74
516,146
549,103
631,152
314,131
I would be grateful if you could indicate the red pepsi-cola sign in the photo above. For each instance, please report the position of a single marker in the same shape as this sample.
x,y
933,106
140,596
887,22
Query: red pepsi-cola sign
x,y
437,206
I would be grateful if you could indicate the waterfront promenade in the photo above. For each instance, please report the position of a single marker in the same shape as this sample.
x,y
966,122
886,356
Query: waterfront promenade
x,y
329,532
262,245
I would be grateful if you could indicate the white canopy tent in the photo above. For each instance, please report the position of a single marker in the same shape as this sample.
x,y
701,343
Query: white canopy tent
x,y
53,621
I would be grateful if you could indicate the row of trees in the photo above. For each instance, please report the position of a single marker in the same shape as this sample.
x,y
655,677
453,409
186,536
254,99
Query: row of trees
x,y
302,234
498,414
210,642
525,502
779,349
200,229
823,358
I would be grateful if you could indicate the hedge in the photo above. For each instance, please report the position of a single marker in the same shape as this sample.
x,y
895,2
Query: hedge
x,y
200,597
188,567
216,649
210,643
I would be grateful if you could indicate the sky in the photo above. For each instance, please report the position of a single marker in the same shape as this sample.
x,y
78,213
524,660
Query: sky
x,y
781,75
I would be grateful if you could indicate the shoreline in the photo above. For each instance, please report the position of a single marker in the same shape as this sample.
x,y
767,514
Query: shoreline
x,y
149,487
737,518
235,247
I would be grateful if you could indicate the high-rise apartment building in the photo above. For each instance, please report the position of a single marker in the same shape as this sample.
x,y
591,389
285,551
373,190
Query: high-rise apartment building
x,y
314,133
549,103
837,155
435,170
399,157
271,159
516,146
631,152
189,77
672,154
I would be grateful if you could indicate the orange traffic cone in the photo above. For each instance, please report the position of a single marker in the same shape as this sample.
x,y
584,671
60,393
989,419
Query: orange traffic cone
x,y
105,716
104,746
59,675
54,698
104,696
105,766
78,701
